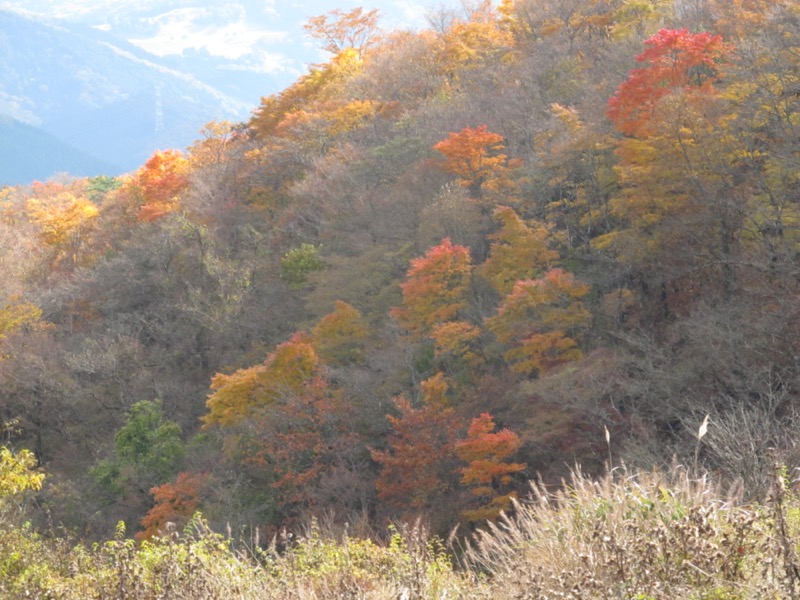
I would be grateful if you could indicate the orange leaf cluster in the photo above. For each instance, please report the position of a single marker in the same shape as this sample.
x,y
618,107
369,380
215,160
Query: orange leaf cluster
x,y
475,154
161,181
235,397
173,502
487,472
435,288
538,318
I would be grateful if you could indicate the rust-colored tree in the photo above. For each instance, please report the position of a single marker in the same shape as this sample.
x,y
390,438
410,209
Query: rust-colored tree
x,y
417,466
306,447
292,432
488,474
174,503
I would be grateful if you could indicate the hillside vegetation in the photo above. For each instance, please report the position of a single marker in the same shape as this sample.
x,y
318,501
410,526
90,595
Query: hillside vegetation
x,y
438,266
646,536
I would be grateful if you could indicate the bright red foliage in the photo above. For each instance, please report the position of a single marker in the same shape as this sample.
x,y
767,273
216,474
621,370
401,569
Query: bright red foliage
x,y
675,59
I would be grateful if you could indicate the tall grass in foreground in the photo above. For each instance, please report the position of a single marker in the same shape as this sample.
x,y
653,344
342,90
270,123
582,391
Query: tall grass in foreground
x,y
637,536
640,536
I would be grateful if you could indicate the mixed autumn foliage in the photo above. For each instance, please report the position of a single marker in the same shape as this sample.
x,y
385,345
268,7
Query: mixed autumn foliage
x,y
439,265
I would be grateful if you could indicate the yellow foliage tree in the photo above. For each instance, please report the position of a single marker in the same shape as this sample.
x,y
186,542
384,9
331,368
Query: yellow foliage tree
x,y
339,336
235,397
519,251
65,222
540,319
460,340
15,316
18,473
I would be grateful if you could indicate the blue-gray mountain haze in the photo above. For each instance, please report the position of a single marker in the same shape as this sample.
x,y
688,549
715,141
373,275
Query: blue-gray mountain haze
x,y
94,87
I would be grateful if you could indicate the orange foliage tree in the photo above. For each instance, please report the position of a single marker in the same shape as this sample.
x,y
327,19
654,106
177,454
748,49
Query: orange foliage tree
x,y
160,182
314,98
539,320
65,222
476,156
435,290
235,397
487,472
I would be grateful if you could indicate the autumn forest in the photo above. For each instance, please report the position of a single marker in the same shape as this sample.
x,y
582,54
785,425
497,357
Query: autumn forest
x,y
438,266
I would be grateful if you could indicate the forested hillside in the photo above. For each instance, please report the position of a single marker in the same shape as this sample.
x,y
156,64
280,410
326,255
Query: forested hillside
x,y
438,266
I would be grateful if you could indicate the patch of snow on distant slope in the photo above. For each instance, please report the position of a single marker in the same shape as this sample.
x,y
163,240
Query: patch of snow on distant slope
x,y
223,31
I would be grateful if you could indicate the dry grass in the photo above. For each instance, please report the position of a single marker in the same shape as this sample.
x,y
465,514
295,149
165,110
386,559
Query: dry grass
x,y
638,536
634,536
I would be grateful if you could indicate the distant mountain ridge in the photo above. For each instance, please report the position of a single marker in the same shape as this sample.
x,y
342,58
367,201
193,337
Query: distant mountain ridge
x,y
119,79
28,154
111,102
